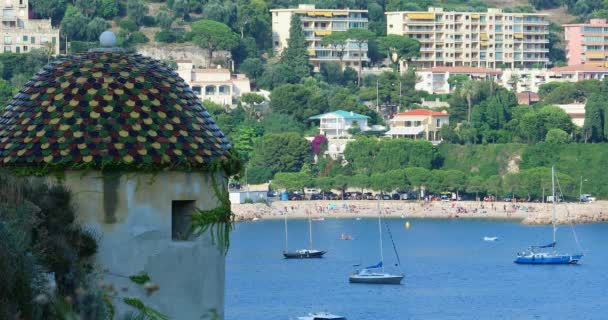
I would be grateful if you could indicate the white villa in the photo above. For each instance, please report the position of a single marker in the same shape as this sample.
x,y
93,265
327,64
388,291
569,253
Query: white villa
x,y
337,123
418,124
217,84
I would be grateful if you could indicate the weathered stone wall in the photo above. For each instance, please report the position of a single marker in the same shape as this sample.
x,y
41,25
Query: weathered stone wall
x,y
132,214
198,55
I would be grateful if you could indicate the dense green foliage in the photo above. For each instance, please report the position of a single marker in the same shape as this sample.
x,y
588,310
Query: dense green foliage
x,y
40,235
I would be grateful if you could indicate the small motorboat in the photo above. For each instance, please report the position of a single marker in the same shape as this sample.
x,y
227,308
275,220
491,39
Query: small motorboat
x,y
322,316
255,219
358,219
318,219
490,238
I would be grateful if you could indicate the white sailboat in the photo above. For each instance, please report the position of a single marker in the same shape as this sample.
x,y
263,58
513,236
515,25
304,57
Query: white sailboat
x,y
302,253
369,274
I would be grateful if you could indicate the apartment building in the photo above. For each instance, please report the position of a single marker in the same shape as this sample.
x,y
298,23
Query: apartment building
x,y
587,43
22,34
317,23
489,39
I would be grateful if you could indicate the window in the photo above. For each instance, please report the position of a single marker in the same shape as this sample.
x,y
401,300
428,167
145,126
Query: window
x,y
24,38
33,40
24,48
438,125
197,90
7,49
181,215
18,49
54,40
7,40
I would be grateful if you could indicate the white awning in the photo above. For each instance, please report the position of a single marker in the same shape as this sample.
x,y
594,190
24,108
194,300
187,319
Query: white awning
x,y
405,131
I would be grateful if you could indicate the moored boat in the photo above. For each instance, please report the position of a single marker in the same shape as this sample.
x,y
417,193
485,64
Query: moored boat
x,y
303,254
548,254
322,316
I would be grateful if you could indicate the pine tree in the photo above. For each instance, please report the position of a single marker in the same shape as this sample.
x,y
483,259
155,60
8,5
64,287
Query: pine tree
x,y
296,55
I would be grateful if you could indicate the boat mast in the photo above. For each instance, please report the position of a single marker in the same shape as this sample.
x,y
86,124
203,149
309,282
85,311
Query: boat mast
x,y
554,200
380,231
286,238
309,232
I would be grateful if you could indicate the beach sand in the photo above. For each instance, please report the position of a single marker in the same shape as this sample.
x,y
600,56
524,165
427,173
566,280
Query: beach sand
x,y
527,213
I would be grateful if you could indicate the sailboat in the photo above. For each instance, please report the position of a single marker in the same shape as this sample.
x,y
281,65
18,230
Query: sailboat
x,y
302,253
369,274
548,254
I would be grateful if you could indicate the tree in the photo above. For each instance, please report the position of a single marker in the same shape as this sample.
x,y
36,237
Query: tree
x,y
299,101
469,90
95,27
181,8
252,18
52,9
74,23
6,93
417,177
108,9
319,144
595,118
136,10
457,80
252,98
360,37
252,67
213,36
557,136
324,184
295,56
243,140
164,18
475,184
281,152
87,7
337,41
400,48
292,181
278,74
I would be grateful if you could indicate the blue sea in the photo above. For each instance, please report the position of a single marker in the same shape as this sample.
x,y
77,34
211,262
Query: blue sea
x,y
450,272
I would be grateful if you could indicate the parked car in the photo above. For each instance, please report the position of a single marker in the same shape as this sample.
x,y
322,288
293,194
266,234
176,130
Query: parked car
x,y
396,196
368,196
294,196
587,198
507,199
272,194
316,196
383,197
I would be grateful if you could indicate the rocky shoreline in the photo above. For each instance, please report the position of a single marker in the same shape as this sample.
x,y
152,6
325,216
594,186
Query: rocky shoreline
x,y
527,213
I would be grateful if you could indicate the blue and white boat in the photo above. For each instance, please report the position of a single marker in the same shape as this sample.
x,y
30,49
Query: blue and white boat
x,y
369,275
548,254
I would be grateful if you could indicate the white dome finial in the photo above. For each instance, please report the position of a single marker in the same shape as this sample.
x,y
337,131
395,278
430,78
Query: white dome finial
x,y
107,39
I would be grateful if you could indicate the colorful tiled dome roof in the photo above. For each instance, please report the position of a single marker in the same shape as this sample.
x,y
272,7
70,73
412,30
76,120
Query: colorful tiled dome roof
x,y
104,107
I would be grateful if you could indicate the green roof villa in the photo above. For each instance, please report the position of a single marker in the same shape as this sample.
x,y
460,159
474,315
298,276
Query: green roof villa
x,y
142,158
337,123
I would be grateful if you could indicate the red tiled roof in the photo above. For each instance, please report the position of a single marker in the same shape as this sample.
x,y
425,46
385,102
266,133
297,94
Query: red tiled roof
x,y
422,112
579,67
527,97
462,70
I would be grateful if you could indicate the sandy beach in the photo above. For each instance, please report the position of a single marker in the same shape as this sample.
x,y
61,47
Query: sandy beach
x,y
527,213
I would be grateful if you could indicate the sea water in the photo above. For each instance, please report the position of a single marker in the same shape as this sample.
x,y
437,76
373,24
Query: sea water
x,y
450,272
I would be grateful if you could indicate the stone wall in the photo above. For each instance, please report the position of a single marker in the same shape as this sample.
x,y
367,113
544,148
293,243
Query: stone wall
x,y
132,213
198,55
